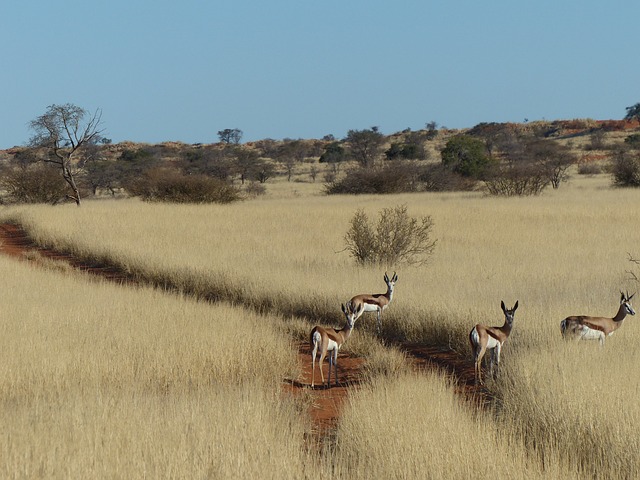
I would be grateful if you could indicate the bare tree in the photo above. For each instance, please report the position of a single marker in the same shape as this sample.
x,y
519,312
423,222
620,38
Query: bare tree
x,y
66,131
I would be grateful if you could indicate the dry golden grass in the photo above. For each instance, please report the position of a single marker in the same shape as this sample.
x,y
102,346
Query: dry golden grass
x,y
577,401
100,381
562,253
415,427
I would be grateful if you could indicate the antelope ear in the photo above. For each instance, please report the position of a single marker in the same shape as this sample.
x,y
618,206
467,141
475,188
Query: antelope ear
x,y
386,277
395,277
502,305
515,307
344,309
621,296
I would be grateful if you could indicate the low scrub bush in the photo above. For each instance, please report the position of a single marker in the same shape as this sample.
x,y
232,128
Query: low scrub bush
x,y
171,186
518,180
438,178
395,239
35,183
589,168
626,170
394,177
255,189
467,156
633,140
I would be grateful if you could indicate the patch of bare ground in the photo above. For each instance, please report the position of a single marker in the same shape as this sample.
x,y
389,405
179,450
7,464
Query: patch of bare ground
x,y
324,404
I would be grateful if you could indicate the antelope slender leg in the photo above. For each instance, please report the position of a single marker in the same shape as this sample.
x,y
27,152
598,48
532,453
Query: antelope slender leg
x,y
322,355
313,364
496,354
478,364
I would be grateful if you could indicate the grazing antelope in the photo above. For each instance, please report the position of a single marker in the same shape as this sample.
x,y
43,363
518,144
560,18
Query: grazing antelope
x,y
596,328
485,338
329,340
376,302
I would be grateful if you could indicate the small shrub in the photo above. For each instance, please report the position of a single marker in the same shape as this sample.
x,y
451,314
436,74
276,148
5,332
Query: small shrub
x,y
467,156
589,168
626,170
392,178
633,141
438,178
35,183
333,153
512,181
597,140
255,189
396,239
399,150
170,186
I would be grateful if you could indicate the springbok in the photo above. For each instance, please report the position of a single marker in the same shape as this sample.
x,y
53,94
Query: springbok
x,y
485,338
596,328
376,302
328,340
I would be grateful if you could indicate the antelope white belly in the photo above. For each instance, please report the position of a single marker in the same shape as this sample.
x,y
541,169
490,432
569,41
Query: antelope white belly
x,y
370,307
332,346
587,333
492,343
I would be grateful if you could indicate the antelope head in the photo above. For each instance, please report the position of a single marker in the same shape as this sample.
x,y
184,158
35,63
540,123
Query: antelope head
x,y
509,313
625,300
352,313
390,282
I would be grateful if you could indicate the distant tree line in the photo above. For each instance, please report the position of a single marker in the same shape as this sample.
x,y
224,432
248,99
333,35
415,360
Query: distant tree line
x,y
69,158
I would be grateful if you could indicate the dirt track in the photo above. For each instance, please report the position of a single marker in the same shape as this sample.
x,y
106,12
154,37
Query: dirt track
x,y
326,403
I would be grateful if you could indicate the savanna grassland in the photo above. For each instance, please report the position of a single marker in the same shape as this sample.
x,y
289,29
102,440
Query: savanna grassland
x,y
101,380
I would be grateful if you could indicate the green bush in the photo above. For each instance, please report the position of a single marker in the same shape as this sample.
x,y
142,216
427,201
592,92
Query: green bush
x,y
333,153
467,156
395,239
633,140
405,151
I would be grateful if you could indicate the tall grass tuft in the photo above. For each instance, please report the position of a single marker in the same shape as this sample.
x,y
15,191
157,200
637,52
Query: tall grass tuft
x,y
413,426
102,381
577,402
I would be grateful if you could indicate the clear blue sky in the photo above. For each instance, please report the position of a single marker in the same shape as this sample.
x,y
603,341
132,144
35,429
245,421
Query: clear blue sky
x,y
183,70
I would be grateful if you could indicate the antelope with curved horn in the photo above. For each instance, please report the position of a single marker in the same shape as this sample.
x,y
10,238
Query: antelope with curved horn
x,y
328,340
376,302
582,327
483,338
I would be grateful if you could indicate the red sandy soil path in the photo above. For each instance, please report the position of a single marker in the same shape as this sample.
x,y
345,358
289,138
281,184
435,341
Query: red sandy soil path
x,y
16,243
326,403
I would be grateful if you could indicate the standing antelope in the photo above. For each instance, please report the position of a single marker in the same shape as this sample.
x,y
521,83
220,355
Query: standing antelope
x,y
376,302
592,328
485,338
330,340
